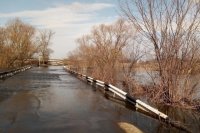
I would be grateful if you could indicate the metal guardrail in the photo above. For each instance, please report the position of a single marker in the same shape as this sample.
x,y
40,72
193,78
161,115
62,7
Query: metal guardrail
x,y
125,96
10,73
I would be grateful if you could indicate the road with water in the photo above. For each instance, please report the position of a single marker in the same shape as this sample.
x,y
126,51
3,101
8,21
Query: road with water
x,y
51,100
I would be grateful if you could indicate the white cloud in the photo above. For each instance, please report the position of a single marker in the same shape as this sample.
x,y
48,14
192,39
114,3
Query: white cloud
x,y
67,21
64,40
61,15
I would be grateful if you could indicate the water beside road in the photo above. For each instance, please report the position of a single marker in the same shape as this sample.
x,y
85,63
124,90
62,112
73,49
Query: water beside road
x,y
52,100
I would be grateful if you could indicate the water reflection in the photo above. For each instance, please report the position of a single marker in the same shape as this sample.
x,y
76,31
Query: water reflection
x,y
188,118
147,78
18,108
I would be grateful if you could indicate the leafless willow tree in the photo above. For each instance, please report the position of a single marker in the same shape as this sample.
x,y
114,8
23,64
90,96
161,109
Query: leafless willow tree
x,y
2,39
110,41
102,50
19,42
44,42
172,29
16,43
133,54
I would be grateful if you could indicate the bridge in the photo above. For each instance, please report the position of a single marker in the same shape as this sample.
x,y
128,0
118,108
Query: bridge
x,y
53,62
51,99
56,62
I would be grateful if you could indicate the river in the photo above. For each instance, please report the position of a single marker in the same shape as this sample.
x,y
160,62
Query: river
x,y
52,100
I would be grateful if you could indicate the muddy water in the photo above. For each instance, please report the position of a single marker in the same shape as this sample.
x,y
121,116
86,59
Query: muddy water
x,y
186,117
51,100
145,78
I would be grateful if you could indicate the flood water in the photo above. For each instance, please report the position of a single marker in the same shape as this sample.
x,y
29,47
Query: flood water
x,y
52,100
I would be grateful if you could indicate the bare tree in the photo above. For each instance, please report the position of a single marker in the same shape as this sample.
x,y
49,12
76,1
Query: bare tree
x,y
44,43
18,42
109,41
102,50
133,53
172,28
2,45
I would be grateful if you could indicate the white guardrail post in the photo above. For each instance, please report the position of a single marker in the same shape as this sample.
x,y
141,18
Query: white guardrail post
x,y
122,94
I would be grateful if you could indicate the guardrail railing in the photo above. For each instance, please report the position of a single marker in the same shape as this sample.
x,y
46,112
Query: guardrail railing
x,y
10,73
136,102
124,95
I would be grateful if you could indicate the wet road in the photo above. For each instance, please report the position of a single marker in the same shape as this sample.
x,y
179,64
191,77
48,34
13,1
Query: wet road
x,y
52,100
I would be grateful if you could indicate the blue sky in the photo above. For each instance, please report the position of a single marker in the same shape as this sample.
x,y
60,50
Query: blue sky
x,y
69,19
